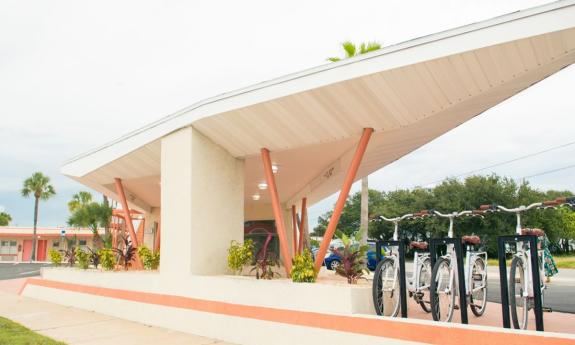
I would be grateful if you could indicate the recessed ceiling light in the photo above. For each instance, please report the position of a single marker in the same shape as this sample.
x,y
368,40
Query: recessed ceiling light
x,y
275,168
263,186
256,197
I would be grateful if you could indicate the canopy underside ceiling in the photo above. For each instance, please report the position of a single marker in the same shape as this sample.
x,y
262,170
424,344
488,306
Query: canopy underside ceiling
x,y
311,121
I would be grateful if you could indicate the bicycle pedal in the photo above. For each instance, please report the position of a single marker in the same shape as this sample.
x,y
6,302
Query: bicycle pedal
x,y
547,310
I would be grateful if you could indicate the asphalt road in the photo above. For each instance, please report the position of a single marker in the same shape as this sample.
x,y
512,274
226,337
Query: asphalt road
x,y
559,295
20,270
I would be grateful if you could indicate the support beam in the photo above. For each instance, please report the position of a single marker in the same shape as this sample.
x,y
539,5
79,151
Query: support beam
x,y
157,237
140,231
294,227
278,214
302,225
127,217
349,178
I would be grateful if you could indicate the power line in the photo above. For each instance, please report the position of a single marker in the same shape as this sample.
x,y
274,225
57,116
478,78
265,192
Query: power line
x,y
549,171
511,161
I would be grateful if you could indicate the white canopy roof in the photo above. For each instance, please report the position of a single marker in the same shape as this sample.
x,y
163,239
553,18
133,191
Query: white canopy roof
x,y
410,93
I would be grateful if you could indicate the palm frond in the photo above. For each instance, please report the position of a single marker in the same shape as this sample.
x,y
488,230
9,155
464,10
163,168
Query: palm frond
x,y
349,48
333,59
370,47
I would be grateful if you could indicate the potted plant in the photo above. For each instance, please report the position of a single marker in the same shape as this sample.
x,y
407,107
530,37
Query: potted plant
x,y
303,270
265,261
353,263
239,255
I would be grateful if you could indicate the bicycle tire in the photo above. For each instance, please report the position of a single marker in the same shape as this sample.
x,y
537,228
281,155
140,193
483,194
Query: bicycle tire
x,y
478,311
378,295
425,306
434,296
517,263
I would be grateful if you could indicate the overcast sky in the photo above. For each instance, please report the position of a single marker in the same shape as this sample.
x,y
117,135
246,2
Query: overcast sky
x,y
76,74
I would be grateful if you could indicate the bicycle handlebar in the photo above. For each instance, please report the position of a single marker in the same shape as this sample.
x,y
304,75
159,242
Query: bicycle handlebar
x,y
454,214
520,208
392,220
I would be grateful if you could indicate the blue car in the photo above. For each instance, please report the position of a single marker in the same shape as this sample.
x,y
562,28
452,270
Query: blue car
x,y
332,260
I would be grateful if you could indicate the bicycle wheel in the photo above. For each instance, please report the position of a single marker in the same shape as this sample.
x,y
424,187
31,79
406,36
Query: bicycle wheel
x,y
424,282
442,291
386,288
518,298
478,288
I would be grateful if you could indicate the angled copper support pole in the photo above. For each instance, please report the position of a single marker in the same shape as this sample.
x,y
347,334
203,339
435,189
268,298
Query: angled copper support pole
x,y
294,227
127,217
157,237
349,177
140,231
280,225
302,225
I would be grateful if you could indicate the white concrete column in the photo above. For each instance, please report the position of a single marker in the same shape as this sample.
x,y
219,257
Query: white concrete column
x,y
202,204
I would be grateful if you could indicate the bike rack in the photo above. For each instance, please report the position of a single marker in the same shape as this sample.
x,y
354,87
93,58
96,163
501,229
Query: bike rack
x,y
401,253
501,241
456,241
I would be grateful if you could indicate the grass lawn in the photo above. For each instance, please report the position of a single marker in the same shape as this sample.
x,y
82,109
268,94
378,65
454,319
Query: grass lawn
x,y
12,333
560,260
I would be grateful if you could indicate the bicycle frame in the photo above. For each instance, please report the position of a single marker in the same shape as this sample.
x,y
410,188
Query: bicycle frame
x,y
524,254
418,259
470,256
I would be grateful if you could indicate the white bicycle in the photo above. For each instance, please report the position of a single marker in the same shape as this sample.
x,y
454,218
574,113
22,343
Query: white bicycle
x,y
520,283
444,278
386,276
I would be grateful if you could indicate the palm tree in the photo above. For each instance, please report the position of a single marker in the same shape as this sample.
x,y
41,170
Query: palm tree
x,y
39,186
79,200
350,50
5,219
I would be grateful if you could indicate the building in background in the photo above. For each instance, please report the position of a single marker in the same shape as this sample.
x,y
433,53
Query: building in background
x,y
16,242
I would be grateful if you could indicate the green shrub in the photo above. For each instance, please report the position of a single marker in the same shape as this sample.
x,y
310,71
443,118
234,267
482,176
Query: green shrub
x,y
107,259
55,257
303,270
83,259
239,255
150,260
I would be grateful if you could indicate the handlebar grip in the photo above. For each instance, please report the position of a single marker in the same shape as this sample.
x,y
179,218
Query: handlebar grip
x,y
421,213
562,200
485,207
551,203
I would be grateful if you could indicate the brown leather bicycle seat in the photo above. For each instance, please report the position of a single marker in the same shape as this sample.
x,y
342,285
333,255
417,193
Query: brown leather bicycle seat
x,y
534,231
418,245
471,240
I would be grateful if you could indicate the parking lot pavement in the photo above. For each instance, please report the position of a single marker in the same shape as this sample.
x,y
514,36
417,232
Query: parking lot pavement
x,y
20,269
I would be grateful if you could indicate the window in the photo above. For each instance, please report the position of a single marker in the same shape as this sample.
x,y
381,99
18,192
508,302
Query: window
x,y
8,247
82,242
55,244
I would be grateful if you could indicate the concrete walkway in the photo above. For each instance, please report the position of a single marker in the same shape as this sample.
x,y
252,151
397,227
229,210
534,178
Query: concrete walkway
x,y
75,326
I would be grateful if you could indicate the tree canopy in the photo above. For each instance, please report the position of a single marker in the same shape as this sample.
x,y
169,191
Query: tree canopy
x,y
454,195
38,185
93,215
79,200
5,219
